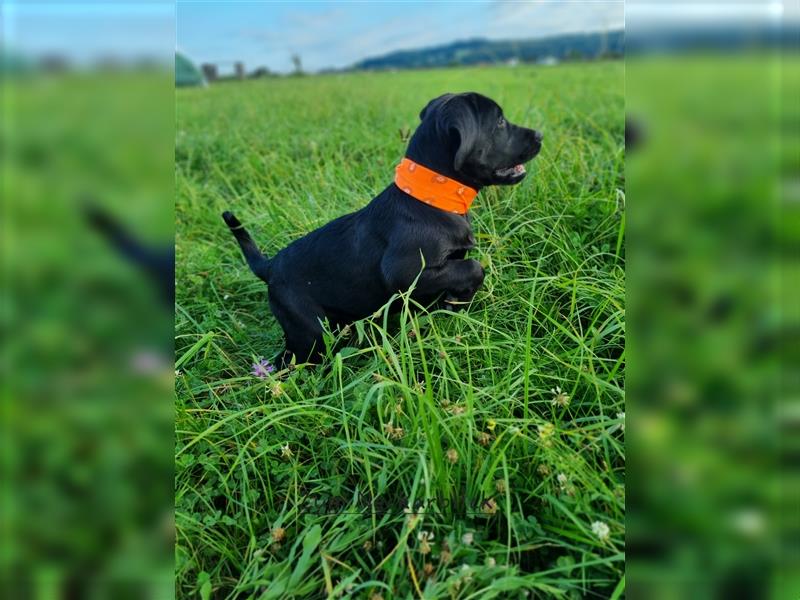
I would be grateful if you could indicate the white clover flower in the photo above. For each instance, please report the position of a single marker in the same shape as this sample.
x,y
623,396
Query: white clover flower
x,y
564,485
749,522
546,434
286,451
621,415
601,530
559,397
466,573
468,538
408,509
425,538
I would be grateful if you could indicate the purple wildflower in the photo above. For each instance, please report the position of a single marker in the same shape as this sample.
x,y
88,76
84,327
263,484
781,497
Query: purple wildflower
x,y
262,368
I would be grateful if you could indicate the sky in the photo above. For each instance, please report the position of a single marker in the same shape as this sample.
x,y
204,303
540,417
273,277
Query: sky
x,y
86,31
338,34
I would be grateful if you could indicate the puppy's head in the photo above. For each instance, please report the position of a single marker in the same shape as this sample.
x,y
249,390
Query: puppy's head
x,y
466,136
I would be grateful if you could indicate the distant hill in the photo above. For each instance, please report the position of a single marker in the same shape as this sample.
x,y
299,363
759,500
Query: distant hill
x,y
477,51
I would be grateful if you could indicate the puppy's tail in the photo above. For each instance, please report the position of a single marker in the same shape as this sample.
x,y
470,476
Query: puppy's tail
x,y
259,264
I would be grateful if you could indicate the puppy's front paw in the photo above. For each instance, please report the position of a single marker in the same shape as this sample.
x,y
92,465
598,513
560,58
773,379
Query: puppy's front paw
x,y
456,303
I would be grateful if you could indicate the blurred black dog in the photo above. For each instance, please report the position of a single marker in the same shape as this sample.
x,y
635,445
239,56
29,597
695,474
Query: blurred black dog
x,y
349,268
156,262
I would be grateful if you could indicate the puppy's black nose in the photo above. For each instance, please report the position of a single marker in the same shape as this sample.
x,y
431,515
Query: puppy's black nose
x,y
538,137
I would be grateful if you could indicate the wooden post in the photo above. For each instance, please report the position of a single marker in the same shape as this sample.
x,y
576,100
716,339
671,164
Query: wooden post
x,y
210,72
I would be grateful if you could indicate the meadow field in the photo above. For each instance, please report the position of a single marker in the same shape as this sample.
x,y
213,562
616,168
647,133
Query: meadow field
x,y
478,454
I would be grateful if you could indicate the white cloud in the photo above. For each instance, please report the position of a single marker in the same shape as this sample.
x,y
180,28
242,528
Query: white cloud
x,y
542,19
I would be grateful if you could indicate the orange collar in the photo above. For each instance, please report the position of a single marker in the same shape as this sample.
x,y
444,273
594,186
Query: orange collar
x,y
431,188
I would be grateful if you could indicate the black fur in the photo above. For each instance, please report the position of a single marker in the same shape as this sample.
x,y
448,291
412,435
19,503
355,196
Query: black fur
x,y
349,268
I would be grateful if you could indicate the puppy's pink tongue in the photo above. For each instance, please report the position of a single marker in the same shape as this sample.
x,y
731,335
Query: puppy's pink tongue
x,y
519,169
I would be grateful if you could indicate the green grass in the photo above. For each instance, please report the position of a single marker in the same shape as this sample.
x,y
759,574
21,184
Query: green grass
x,y
483,445
86,432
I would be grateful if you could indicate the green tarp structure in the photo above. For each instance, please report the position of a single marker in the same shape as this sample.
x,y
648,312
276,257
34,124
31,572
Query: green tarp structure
x,y
13,64
186,72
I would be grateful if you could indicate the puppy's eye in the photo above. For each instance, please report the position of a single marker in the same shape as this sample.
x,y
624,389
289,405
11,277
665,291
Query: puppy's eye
x,y
501,123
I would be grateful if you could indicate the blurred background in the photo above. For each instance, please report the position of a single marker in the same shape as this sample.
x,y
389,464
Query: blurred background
x,y
712,184
713,237
87,137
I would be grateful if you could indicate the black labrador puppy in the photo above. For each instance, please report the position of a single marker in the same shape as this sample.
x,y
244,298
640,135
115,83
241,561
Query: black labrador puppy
x,y
349,268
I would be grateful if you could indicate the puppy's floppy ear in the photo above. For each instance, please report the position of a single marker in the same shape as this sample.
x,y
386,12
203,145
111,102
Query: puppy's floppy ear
x,y
457,118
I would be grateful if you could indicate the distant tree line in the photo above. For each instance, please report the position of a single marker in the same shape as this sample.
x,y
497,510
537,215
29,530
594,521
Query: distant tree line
x,y
582,46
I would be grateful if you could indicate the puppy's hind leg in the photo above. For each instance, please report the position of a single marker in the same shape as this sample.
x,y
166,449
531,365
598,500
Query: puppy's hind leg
x,y
300,321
